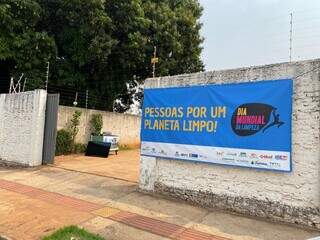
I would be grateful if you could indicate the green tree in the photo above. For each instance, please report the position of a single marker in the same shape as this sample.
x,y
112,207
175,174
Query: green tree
x,y
129,57
124,33
81,29
103,46
22,44
172,26
175,31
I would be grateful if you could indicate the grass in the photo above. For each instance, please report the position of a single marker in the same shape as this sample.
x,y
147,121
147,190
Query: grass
x,y
72,233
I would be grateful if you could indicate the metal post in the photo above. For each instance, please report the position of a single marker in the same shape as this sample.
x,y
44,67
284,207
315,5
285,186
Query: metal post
x,y
75,103
290,48
154,62
11,85
24,84
87,96
47,75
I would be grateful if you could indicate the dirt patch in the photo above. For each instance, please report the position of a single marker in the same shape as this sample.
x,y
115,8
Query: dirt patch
x,y
10,165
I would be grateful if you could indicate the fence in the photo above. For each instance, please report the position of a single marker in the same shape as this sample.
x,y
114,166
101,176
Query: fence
x,y
73,97
69,96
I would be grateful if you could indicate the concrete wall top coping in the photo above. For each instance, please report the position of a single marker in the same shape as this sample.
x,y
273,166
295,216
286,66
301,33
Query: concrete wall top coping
x,y
149,83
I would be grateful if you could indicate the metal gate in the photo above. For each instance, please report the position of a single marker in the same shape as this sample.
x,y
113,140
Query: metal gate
x,y
50,130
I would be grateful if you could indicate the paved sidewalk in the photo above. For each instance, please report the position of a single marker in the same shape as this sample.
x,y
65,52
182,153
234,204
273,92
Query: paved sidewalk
x,y
35,202
138,221
124,166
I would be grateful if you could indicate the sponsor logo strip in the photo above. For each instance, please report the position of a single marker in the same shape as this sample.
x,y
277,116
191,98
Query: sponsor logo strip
x,y
261,159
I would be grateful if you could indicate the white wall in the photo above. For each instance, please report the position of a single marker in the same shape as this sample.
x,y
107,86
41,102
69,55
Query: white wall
x,y
22,118
291,197
125,125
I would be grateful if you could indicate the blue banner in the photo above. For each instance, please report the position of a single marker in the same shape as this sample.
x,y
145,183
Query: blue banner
x,y
244,124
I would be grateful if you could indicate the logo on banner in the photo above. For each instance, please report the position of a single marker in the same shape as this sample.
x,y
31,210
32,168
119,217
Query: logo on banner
x,y
253,155
281,157
265,156
243,154
250,118
193,155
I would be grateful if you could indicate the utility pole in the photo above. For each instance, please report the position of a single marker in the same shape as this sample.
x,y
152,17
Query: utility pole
x,y
290,47
154,61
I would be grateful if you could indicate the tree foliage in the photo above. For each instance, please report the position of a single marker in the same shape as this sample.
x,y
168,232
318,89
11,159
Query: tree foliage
x,y
100,45
22,43
81,29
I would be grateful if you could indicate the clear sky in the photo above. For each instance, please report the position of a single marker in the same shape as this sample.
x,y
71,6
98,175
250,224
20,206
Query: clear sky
x,y
242,33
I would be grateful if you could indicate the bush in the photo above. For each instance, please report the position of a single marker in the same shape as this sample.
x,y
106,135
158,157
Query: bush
x,y
96,124
80,148
74,124
64,142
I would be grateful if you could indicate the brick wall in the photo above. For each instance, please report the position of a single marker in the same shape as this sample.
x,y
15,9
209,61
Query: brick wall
x,y
290,197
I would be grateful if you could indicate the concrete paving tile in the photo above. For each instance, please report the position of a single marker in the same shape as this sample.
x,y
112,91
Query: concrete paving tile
x,y
40,178
16,175
242,228
117,231
93,188
74,190
162,209
106,212
113,166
